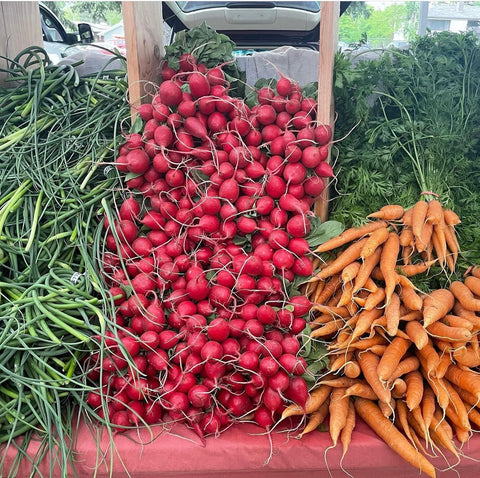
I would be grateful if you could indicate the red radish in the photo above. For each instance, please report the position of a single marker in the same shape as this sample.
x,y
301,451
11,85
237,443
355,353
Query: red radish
x,y
153,413
279,216
293,364
249,361
187,62
170,93
303,267
297,391
270,132
268,366
324,170
294,173
239,405
266,314
120,421
314,186
216,76
323,134
218,329
199,396
199,85
293,154
272,399
278,239
284,86
229,190
298,226
137,161
263,417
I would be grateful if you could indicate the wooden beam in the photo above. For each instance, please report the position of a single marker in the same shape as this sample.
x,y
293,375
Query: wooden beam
x,y
328,45
143,27
20,27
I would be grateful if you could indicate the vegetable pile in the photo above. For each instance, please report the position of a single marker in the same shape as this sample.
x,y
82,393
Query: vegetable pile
x,y
55,128
203,253
407,358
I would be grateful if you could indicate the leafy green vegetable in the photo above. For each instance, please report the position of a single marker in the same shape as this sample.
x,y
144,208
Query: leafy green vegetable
x,y
323,231
212,49
409,123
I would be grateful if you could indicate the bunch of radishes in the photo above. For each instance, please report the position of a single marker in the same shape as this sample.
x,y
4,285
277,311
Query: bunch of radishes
x,y
203,250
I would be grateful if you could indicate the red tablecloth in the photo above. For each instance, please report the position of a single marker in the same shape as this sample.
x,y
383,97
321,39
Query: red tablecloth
x,y
244,450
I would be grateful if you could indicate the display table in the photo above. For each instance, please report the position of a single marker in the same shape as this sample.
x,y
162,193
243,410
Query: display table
x,y
244,450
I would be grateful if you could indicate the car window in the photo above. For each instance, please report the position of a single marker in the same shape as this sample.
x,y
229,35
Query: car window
x,y
50,30
201,5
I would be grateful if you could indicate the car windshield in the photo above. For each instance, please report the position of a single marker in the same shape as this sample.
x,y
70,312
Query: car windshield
x,y
194,6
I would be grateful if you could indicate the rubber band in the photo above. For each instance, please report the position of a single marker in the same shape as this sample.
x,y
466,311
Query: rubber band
x,y
429,193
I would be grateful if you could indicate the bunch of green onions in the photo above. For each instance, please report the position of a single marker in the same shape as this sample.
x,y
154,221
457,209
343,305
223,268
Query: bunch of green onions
x,y
57,132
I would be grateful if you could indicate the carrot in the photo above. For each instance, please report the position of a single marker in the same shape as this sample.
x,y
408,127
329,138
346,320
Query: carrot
x,y
402,414
347,295
343,259
419,215
470,315
440,243
352,369
414,269
391,358
331,310
406,365
436,305
374,299
375,240
451,218
473,283
412,316
417,333
327,329
320,320
442,433
467,356
377,349
440,330
414,392
406,254
339,362
474,416
407,218
475,271
445,361
314,401
410,298
364,322
350,235
346,434
388,261
349,273
316,418
361,389
435,213
456,321
466,379
362,344
462,435
338,413
428,357
390,212
428,406
452,242
465,296
399,388
320,285
406,237
339,382
392,314
459,409
387,409
369,363
372,415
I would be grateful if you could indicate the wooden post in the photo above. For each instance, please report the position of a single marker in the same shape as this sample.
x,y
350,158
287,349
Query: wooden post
x,y
20,27
328,45
143,26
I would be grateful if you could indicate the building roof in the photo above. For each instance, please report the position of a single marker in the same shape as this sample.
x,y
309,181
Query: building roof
x,y
458,11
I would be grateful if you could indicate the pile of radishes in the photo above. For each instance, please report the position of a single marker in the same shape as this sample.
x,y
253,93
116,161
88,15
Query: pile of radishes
x,y
202,253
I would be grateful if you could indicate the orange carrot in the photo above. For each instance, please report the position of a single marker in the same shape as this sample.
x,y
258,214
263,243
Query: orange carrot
x,y
452,242
399,388
440,330
459,409
414,269
391,357
406,254
456,321
410,298
352,369
316,418
347,294
473,283
445,361
375,239
369,363
467,356
435,213
475,271
372,415
339,382
346,435
465,296
349,273
338,362
436,305
428,357
440,243
417,333
361,389
314,401
466,379
428,405
470,315
327,329
387,409
350,235
406,237
392,314
442,433
346,257
364,322
419,215
451,218
374,299
338,413
388,261
414,393
412,316
390,212
406,365
402,414
407,217
362,344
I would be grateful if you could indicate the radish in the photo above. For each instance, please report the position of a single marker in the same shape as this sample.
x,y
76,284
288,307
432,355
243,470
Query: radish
x,y
137,161
170,93
298,226
297,391
263,417
218,330
323,134
284,86
198,84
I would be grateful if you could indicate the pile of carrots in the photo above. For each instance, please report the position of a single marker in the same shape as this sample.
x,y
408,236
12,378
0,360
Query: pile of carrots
x,y
402,359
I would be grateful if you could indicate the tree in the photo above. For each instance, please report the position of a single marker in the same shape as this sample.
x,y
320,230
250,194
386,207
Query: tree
x,y
92,12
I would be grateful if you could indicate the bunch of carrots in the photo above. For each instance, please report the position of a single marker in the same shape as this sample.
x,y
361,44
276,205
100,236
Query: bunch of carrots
x,y
402,359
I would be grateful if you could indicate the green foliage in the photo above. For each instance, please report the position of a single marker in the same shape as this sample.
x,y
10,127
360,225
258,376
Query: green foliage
x,y
411,124
93,12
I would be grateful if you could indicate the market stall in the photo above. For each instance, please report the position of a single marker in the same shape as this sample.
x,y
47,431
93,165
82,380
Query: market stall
x,y
178,276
